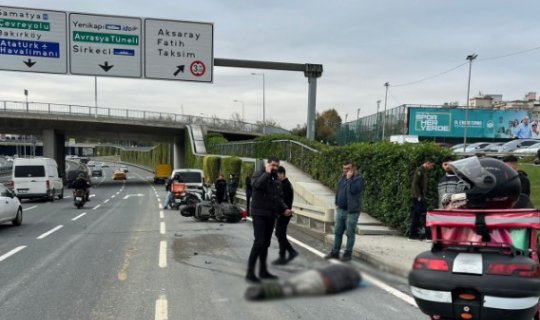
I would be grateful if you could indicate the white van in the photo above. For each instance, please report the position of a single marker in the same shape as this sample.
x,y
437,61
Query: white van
x,y
36,178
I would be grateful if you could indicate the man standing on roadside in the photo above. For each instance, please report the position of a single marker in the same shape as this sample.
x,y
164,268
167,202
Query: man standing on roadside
x,y
267,204
418,198
232,186
283,221
349,205
511,161
249,191
448,183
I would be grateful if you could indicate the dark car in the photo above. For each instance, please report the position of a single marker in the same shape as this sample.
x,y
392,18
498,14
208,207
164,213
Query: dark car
x,y
483,265
97,172
73,175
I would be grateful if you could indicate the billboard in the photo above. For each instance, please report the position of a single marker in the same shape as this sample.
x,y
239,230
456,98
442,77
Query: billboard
x,y
450,122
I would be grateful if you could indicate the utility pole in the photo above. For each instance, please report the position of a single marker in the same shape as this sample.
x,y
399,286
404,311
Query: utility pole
x,y
386,84
470,57
378,118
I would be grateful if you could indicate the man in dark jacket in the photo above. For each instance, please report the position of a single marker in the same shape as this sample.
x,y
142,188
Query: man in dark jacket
x,y
232,186
349,205
249,191
267,204
511,161
221,188
418,198
283,221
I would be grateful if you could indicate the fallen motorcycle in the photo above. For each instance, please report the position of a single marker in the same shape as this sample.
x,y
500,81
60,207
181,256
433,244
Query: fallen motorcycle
x,y
203,210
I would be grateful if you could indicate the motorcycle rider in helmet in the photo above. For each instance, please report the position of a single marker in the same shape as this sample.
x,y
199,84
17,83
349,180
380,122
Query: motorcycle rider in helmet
x,y
82,184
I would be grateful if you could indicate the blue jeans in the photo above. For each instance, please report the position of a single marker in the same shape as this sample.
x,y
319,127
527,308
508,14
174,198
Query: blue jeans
x,y
168,199
345,222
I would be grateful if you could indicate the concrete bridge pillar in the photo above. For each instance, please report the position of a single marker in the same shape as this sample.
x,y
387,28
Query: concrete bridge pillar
x,y
54,147
179,153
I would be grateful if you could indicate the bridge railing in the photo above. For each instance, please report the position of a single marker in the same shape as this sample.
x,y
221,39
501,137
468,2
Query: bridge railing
x,y
131,114
292,151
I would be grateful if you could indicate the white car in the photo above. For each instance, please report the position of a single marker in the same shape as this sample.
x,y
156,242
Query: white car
x,y
10,207
36,178
531,150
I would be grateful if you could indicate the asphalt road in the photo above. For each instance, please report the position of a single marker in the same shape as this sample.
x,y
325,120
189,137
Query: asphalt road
x,y
122,257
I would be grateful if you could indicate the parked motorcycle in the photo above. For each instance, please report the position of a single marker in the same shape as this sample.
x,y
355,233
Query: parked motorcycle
x,y
79,198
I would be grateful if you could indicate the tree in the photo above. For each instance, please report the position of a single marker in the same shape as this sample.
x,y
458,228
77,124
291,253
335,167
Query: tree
x,y
300,131
235,116
326,125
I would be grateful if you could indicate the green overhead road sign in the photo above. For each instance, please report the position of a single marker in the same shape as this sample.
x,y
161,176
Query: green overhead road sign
x,y
33,40
103,45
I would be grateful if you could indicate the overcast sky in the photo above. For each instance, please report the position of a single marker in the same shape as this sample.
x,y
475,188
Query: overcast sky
x,y
361,45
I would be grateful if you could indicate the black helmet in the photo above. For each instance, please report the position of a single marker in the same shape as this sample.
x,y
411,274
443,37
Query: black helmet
x,y
489,183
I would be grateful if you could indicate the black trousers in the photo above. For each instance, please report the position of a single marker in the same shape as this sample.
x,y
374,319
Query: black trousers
x,y
232,196
248,202
418,219
281,234
263,227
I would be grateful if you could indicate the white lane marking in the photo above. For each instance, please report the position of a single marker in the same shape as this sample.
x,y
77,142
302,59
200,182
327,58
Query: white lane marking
x,y
162,228
368,278
79,216
134,195
49,232
94,208
113,196
163,254
161,216
12,252
161,308
92,195
30,208
106,201
117,193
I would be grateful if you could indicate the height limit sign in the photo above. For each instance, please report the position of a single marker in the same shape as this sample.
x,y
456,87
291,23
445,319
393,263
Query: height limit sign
x,y
179,50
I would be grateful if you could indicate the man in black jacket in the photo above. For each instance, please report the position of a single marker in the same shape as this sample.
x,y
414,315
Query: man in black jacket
x,y
221,189
267,204
511,161
283,221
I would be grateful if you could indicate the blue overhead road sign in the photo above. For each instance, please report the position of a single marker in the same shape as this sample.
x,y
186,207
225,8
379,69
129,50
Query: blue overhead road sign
x,y
30,48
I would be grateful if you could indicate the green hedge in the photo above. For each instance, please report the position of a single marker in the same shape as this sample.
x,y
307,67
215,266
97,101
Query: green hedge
x,y
231,165
211,168
387,169
247,170
160,154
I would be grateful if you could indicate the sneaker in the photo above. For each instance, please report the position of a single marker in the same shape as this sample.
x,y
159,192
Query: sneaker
x,y
280,261
346,258
332,255
293,254
251,277
267,275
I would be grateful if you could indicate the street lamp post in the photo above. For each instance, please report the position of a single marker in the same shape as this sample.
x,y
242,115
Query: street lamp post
x,y
470,57
386,84
378,118
358,113
264,100
26,95
243,109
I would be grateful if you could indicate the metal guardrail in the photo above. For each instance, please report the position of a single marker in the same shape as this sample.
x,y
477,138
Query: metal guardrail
x,y
292,151
130,114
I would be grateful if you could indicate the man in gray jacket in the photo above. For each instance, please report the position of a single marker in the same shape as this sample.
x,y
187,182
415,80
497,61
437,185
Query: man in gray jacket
x,y
349,205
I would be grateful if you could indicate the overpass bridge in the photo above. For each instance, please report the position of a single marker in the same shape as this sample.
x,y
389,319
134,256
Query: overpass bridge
x,y
55,122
